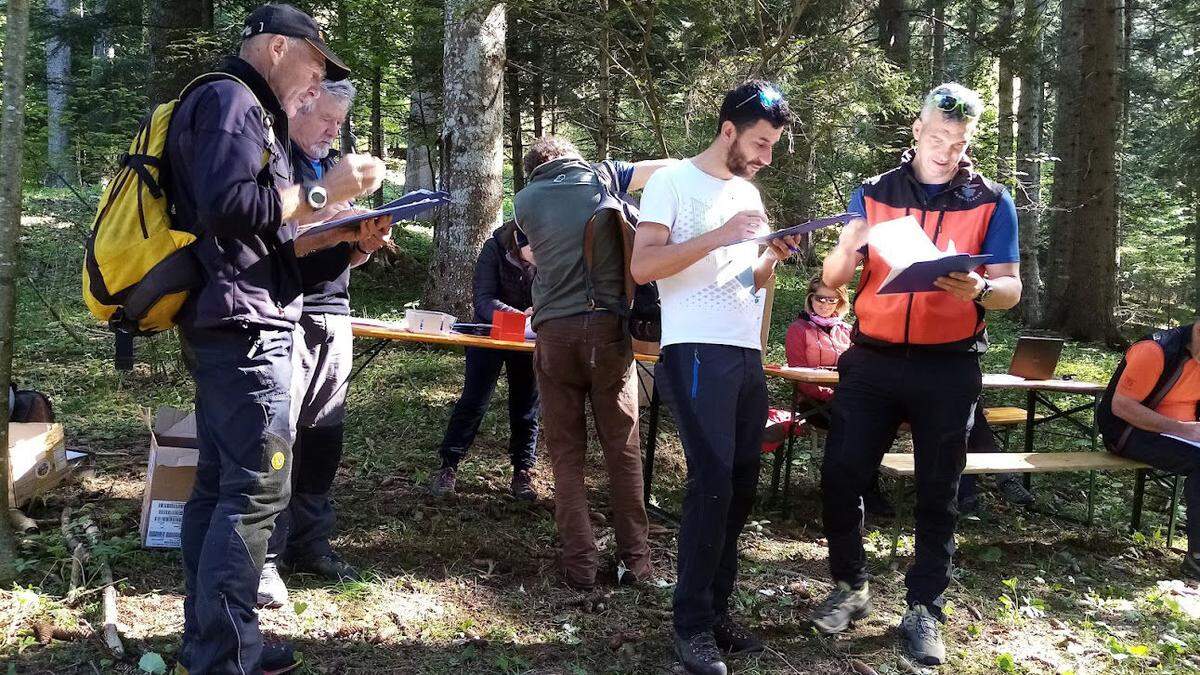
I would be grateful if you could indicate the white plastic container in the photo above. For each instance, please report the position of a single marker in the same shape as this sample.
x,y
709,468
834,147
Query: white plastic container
x,y
428,323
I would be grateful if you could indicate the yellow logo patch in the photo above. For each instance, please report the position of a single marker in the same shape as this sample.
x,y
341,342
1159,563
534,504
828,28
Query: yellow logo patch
x,y
277,461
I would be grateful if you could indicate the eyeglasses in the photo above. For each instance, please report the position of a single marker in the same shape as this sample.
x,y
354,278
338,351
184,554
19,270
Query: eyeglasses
x,y
768,97
951,104
824,299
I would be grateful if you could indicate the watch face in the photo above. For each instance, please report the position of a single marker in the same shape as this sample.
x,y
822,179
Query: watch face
x,y
317,198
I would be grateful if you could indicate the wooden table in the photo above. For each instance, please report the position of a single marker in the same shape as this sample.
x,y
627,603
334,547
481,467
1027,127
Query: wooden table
x,y
1037,390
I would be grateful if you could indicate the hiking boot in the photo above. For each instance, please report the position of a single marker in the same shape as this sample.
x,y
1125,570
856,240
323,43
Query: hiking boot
x,y
272,592
522,485
735,639
279,658
877,505
1013,490
699,654
844,606
1191,566
442,484
330,567
921,636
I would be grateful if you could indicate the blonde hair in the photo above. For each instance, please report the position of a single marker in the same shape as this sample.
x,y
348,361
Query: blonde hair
x,y
843,295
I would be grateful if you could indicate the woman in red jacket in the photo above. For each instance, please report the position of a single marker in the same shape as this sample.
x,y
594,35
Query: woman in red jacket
x,y
816,339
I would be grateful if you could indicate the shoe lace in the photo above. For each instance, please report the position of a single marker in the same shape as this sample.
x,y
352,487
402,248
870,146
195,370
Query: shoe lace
x,y
924,624
704,647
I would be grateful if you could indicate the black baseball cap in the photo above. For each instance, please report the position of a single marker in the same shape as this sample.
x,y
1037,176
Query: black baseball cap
x,y
281,19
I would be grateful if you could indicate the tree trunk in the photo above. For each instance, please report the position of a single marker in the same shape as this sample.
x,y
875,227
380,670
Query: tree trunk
x,y
938,56
512,80
176,55
892,20
59,172
604,121
473,146
419,159
1196,248
102,46
377,148
12,136
1028,194
1091,288
1004,116
1064,198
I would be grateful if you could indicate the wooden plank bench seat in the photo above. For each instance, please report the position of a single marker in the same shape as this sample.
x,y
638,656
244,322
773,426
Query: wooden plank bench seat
x,y
1007,416
901,464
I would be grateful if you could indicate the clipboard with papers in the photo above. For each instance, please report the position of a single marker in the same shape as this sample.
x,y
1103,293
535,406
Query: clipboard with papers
x,y
803,228
914,260
411,204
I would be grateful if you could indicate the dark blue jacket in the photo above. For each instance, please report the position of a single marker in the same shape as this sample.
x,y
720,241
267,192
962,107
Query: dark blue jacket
x,y
223,193
502,279
325,273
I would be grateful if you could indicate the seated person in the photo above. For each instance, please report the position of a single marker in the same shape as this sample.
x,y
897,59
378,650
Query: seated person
x,y
503,281
816,339
1156,391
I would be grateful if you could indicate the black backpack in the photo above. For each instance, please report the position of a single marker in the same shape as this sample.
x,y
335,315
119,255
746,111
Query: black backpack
x,y
645,311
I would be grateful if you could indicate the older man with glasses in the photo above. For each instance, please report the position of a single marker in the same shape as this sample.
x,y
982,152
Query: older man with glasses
x,y
915,357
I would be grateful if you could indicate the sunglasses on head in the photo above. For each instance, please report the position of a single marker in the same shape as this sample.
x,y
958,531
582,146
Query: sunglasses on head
x,y
768,97
951,104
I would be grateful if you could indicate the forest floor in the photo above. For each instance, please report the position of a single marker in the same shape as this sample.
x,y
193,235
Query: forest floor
x,y
469,585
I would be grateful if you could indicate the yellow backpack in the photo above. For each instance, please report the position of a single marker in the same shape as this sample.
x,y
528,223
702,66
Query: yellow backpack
x,y
138,269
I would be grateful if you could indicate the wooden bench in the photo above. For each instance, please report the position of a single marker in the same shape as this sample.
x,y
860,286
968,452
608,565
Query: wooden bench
x,y
901,465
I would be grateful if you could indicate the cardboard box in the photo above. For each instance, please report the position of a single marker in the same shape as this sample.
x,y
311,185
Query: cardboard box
x,y
170,473
37,460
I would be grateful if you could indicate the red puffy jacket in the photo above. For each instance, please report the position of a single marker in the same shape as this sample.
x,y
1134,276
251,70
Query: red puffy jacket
x,y
809,345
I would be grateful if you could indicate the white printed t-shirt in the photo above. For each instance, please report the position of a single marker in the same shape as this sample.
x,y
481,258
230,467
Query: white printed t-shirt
x,y
713,301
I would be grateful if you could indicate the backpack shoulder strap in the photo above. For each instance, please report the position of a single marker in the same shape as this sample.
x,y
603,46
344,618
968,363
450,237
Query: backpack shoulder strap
x,y
627,233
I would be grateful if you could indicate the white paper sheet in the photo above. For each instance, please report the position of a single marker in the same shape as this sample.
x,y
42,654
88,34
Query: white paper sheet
x,y
902,242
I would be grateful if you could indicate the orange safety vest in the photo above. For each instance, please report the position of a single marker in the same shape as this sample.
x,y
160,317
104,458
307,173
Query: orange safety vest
x,y
959,213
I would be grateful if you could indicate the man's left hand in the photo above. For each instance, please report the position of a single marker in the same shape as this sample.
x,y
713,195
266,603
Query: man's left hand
x,y
963,285
374,234
783,248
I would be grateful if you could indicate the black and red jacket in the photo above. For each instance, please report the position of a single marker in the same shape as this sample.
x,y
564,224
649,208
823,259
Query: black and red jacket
x,y
960,213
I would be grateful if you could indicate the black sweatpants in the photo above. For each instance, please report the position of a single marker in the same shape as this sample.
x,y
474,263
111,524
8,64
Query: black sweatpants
x,y
1168,454
718,397
936,393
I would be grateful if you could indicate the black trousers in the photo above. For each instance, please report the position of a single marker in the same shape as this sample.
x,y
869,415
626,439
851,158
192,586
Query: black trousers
x,y
482,371
936,393
1168,454
718,397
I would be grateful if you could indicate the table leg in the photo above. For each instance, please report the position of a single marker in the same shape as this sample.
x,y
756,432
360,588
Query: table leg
x,y
651,445
1030,416
1092,474
1139,498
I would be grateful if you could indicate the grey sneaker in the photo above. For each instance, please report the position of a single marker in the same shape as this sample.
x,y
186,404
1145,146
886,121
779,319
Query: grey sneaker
x,y
1013,490
699,655
442,483
272,592
844,606
921,636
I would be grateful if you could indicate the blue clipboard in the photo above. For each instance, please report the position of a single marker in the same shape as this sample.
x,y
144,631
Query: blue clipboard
x,y
804,228
407,206
919,276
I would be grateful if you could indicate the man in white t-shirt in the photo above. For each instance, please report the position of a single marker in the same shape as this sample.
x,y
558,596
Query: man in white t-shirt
x,y
693,216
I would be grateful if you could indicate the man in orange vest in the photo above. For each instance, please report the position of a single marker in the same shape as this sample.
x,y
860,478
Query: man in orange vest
x,y
915,357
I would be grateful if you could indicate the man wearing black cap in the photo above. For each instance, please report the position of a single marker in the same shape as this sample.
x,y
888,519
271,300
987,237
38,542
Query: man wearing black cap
x,y
232,186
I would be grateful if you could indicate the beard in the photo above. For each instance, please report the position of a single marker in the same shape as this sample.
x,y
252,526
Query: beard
x,y
320,149
739,164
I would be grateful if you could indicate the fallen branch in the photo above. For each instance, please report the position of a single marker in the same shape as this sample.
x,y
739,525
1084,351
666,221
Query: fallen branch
x,y
80,555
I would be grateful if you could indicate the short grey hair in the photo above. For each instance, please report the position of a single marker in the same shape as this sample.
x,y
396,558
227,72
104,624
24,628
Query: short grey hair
x,y
968,100
342,90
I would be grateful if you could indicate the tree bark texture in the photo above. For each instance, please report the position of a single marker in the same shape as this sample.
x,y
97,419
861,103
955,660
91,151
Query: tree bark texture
x,y
1091,287
58,84
473,148
1064,200
12,136
1028,195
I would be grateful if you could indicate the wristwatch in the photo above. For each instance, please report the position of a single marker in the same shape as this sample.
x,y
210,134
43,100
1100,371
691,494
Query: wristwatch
x,y
317,197
984,292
